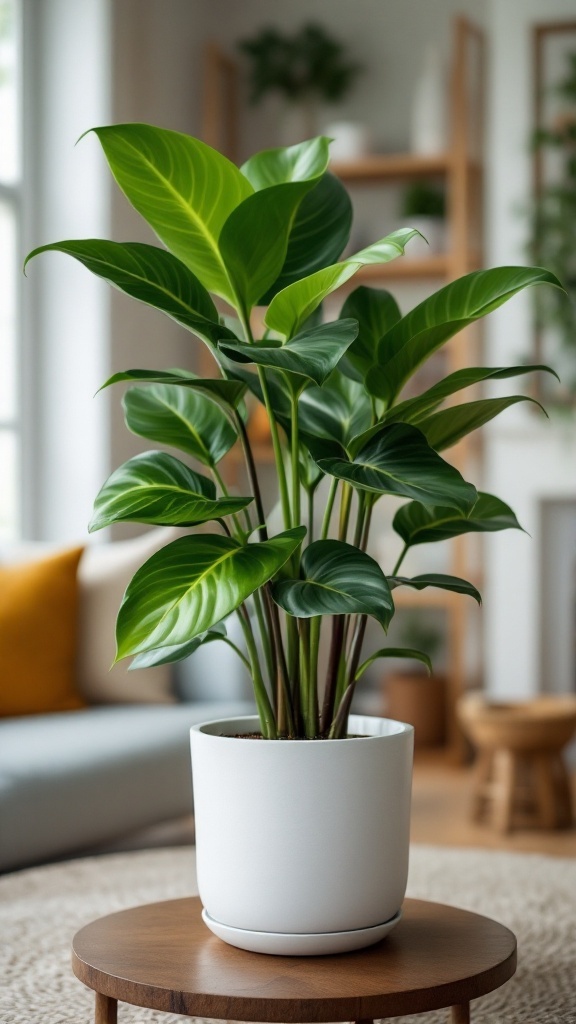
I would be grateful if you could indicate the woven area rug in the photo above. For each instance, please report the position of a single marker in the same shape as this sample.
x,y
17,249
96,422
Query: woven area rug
x,y
41,909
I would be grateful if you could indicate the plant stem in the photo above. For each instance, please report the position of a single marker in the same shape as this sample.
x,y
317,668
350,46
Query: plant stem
x,y
311,706
295,467
338,729
360,517
329,508
277,448
310,516
266,637
263,704
345,506
252,476
403,554
304,679
239,531
332,673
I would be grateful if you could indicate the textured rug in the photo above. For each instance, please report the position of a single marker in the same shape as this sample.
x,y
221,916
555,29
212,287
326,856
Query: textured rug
x,y
41,909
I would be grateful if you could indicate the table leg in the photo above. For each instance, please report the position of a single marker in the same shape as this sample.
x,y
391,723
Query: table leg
x,y
461,1014
106,1011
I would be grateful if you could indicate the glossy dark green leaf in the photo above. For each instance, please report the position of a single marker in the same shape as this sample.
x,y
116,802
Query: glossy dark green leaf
x,y
188,586
319,234
254,239
313,354
183,188
180,417
151,275
395,652
398,460
425,524
337,411
447,427
295,303
338,579
442,582
414,409
155,487
376,311
224,392
169,655
418,334
302,162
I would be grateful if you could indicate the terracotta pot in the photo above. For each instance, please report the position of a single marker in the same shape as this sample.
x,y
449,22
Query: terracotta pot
x,y
419,700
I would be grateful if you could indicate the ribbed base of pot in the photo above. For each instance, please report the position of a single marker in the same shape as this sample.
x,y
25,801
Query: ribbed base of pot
x,y
286,944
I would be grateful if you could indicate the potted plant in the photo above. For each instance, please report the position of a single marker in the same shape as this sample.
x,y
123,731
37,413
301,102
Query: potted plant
x,y
305,69
424,207
302,831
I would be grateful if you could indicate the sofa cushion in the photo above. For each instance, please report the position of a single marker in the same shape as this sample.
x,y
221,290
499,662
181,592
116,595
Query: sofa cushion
x,y
75,780
39,635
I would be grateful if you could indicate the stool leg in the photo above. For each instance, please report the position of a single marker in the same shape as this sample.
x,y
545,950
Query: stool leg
x,y
545,795
504,783
106,1010
461,1014
482,772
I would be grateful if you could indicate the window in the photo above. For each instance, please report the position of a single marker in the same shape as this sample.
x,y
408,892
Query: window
x,y
10,175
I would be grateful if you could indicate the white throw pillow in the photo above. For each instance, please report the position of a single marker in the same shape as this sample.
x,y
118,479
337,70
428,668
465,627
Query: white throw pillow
x,y
104,573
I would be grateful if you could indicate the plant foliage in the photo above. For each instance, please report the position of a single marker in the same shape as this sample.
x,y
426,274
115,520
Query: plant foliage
x,y
272,233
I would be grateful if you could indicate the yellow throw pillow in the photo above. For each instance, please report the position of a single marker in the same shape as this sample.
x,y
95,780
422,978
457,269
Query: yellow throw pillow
x,y
38,635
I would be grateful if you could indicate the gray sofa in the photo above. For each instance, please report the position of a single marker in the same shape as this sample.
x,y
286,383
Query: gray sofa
x,y
73,781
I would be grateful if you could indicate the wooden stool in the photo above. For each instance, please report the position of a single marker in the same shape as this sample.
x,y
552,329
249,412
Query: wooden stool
x,y
521,778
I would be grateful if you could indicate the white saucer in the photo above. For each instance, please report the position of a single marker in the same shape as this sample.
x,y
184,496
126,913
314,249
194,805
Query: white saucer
x,y
290,944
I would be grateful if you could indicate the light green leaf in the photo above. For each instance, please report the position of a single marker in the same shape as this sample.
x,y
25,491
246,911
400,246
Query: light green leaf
x,y
319,234
193,583
152,276
169,655
338,579
398,460
302,162
453,583
180,417
425,524
447,427
395,652
157,488
291,307
418,334
415,409
225,392
183,188
313,354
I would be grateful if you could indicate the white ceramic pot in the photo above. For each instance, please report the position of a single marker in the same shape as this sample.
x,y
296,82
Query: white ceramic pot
x,y
305,839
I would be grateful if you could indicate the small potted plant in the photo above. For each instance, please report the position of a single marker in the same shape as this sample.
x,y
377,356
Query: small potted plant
x,y
306,69
424,207
302,812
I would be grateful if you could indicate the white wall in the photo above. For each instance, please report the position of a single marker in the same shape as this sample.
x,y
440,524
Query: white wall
x,y
67,81
528,459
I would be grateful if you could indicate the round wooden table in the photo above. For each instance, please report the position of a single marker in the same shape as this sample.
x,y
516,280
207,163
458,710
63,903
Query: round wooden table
x,y
162,956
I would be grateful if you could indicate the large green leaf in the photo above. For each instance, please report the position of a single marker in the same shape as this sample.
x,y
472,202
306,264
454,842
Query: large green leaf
x,y
398,460
424,524
414,409
254,239
395,652
157,488
453,583
291,307
302,162
180,417
183,188
319,234
376,311
338,579
224,392
151,275
193,583
337,411
418,334
169,655
313,354
447,427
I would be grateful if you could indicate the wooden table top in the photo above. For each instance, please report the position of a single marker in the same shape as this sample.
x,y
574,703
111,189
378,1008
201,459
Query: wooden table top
x,y
162,956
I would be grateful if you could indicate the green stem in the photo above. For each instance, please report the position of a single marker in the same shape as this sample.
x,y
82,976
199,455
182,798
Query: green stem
x,y
252,476
403,554
311,705
329,507
345,506
239,531
339,725
295,466
336,644
263,704
360,517
310,516
266,637
304,680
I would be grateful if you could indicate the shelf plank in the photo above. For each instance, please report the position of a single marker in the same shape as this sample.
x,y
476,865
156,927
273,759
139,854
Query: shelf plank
x,y
391,166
